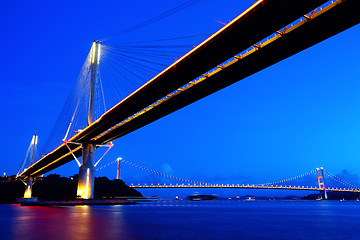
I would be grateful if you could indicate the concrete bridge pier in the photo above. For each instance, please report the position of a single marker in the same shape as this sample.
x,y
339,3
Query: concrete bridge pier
x,y
27,199
87,172
28,188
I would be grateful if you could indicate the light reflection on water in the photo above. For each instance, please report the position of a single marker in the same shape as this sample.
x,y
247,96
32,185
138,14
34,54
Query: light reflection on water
x,y
185,220
81,222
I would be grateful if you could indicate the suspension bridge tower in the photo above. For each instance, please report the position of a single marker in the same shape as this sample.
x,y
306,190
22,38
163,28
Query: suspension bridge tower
x,y
118,173
85,188
321,180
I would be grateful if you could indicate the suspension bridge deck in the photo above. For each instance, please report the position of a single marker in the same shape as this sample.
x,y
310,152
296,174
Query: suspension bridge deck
x,y
238,186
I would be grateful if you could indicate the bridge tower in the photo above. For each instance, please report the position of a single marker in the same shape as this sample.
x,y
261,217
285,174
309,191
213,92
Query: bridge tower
x,y
32,150
118,173
321,180
85,188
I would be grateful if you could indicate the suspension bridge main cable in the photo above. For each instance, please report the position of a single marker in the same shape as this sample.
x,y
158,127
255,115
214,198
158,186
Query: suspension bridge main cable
x,y
336,178
289,179
153,172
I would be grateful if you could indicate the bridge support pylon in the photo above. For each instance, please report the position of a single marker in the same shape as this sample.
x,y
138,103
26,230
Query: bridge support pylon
x,y
87,169
85,188
321,181
28,189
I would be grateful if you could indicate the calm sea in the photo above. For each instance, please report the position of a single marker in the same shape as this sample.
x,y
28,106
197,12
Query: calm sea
x,y
186,220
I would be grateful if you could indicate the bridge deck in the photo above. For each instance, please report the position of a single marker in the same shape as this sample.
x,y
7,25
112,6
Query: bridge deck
x,y
259,21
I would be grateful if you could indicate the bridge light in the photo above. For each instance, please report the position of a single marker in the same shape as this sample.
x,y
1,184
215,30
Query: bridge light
x,y
93,52
98,54
34,140
27,193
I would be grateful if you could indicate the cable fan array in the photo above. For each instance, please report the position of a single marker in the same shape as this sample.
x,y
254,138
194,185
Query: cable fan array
x,y
122,69
73,116
127,66
163,15
30,156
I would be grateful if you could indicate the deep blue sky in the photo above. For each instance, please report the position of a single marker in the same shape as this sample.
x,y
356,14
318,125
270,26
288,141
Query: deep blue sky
x,y
302,113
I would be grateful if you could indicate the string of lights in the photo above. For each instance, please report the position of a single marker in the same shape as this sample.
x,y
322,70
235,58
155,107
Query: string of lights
x,y
153,172
336,178
290,179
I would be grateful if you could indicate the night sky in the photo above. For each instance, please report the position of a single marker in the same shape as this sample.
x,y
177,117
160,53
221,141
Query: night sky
x,y
288,119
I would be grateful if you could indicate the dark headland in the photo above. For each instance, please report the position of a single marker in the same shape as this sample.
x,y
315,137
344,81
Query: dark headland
x,y
57,188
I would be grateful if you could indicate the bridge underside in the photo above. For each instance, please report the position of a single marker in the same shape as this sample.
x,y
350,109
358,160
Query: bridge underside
x,y
323,25
258,22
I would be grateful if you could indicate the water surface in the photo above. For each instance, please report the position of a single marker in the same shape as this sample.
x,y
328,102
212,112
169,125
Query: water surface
x,y
186,220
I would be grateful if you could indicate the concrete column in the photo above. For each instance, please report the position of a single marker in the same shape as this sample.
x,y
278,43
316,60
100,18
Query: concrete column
x,y
28,189
86,172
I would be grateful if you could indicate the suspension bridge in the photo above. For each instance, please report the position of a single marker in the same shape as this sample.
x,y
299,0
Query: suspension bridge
x,y
264,34
334,183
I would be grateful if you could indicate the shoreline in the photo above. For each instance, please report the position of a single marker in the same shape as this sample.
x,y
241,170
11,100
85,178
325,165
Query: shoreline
x,y
88,202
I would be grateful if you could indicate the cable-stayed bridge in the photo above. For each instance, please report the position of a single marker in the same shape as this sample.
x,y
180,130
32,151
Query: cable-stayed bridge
x,y
266,33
